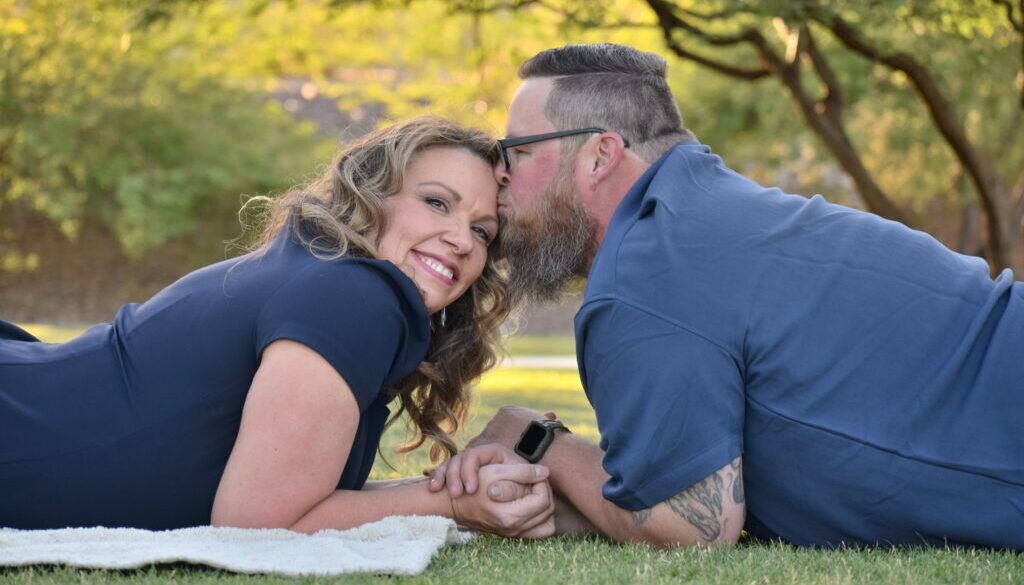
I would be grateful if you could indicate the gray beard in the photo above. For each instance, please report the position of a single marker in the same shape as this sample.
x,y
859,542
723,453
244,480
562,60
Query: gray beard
x,y
546,249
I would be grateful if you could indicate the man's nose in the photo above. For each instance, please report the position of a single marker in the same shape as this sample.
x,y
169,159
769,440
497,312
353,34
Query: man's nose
x,y
501,174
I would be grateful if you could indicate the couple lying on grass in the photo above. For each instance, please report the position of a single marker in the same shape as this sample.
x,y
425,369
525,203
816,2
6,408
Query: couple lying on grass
x,y
757,361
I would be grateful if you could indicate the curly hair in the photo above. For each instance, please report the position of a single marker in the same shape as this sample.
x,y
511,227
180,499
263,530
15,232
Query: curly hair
x,y
341,213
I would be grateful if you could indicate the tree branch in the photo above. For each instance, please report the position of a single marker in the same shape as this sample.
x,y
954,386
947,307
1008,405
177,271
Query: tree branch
x,y
669,20
481,7
983,175
621,25
748,74
1008,6
833,102
832,134
1018,196
728,12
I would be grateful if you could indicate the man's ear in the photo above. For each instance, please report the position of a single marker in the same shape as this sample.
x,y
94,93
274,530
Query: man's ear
x,y
607,152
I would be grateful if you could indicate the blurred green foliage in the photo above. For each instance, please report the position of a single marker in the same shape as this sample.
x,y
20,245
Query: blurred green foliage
x,y
153,116
134,127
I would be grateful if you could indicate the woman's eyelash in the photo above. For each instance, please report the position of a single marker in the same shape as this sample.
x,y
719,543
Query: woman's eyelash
x,y
442,204
484,234
437,202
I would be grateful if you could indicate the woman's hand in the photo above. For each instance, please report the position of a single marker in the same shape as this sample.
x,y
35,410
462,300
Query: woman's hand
x,y
491,446
514,500
460,473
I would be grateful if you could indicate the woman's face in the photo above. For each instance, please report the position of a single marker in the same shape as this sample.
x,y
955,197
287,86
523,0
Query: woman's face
x,y
441,222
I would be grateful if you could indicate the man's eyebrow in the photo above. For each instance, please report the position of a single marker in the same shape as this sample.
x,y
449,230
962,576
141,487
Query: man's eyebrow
x,y
454,194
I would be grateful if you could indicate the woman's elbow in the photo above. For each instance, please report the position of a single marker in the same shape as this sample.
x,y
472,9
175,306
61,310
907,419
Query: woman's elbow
x,y
242,517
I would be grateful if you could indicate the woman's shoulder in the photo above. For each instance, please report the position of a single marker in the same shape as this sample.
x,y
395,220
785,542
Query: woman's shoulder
x,y
365,277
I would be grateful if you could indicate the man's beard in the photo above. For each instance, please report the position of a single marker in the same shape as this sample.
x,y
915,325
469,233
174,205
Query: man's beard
x,y
550,245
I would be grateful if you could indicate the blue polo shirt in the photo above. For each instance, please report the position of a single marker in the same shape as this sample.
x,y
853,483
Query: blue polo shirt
x,y
132,423
871,379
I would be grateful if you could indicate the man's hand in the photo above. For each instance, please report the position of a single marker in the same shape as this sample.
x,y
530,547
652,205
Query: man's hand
x,y
507,425
515,501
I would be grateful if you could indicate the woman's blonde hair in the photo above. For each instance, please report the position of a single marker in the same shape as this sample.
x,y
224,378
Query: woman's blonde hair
x,y
341,213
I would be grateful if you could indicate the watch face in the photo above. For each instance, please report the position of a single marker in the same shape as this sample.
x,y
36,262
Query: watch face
x,y
532,438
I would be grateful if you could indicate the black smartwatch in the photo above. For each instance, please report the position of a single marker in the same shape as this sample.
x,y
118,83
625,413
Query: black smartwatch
x,y
537,437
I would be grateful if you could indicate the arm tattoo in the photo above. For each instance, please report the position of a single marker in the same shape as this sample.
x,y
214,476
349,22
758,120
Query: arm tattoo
x,y
641,516
737,481
701,505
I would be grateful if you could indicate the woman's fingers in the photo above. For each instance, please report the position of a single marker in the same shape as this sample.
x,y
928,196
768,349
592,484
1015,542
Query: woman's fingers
x,y
462,471
437,482
453,475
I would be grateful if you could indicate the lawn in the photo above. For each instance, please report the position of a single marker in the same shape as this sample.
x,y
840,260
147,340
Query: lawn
x,y
591,560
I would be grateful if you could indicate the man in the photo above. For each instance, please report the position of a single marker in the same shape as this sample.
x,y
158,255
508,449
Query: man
x,y
756,360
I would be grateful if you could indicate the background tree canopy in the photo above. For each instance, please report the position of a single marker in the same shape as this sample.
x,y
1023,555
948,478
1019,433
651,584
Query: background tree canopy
x,y
150,120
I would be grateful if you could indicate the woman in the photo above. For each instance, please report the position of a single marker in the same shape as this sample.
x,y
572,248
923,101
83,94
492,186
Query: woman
x,y
253,392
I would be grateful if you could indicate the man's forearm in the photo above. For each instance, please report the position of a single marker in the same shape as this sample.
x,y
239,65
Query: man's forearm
x,y
576,475
703,513
710,511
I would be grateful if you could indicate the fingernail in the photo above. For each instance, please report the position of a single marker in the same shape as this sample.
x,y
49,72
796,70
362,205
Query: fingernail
x,y
494,491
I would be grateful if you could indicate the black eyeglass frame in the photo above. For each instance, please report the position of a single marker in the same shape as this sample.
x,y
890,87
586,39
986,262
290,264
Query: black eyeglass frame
x,y
506,143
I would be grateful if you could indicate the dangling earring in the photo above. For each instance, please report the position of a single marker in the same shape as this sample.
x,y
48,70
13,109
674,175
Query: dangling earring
x,y
444,316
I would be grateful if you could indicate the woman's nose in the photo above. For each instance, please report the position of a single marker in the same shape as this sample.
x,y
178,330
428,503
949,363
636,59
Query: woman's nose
x,y
460,238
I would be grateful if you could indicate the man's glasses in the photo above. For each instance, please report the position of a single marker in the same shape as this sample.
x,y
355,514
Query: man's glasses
x,y
507,143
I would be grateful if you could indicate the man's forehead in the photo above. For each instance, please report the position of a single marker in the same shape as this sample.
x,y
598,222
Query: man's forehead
x,y
526,112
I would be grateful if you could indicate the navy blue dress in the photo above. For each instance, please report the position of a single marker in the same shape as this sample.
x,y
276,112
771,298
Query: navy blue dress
x,y
132,423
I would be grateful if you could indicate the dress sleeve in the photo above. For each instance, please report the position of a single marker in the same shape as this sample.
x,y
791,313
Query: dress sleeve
x,y
363,316
669,402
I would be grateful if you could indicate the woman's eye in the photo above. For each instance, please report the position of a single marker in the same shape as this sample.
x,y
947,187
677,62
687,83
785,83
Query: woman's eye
x,y
437,203
483,233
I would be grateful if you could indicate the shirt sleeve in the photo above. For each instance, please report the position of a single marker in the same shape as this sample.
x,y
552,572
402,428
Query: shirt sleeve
x,y
363,316
669,402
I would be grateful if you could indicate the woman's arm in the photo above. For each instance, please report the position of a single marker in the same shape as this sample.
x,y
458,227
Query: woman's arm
x,y
530,515
298,424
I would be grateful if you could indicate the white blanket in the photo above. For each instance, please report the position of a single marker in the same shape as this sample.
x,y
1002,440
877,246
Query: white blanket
x,y
401,545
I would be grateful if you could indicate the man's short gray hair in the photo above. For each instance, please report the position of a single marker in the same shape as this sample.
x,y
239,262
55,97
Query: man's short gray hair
x,y
614,87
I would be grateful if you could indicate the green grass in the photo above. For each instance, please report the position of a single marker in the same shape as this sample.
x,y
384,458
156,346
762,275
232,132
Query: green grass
x,y
542,345
592,560
52,333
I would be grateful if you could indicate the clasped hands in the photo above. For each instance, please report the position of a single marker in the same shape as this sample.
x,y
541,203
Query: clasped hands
x,y
494,490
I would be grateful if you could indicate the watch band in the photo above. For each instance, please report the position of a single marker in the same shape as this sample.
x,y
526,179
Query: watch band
x,y
537,437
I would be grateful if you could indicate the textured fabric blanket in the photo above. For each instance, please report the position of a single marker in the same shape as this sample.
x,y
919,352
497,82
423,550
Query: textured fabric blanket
x,y
396,545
